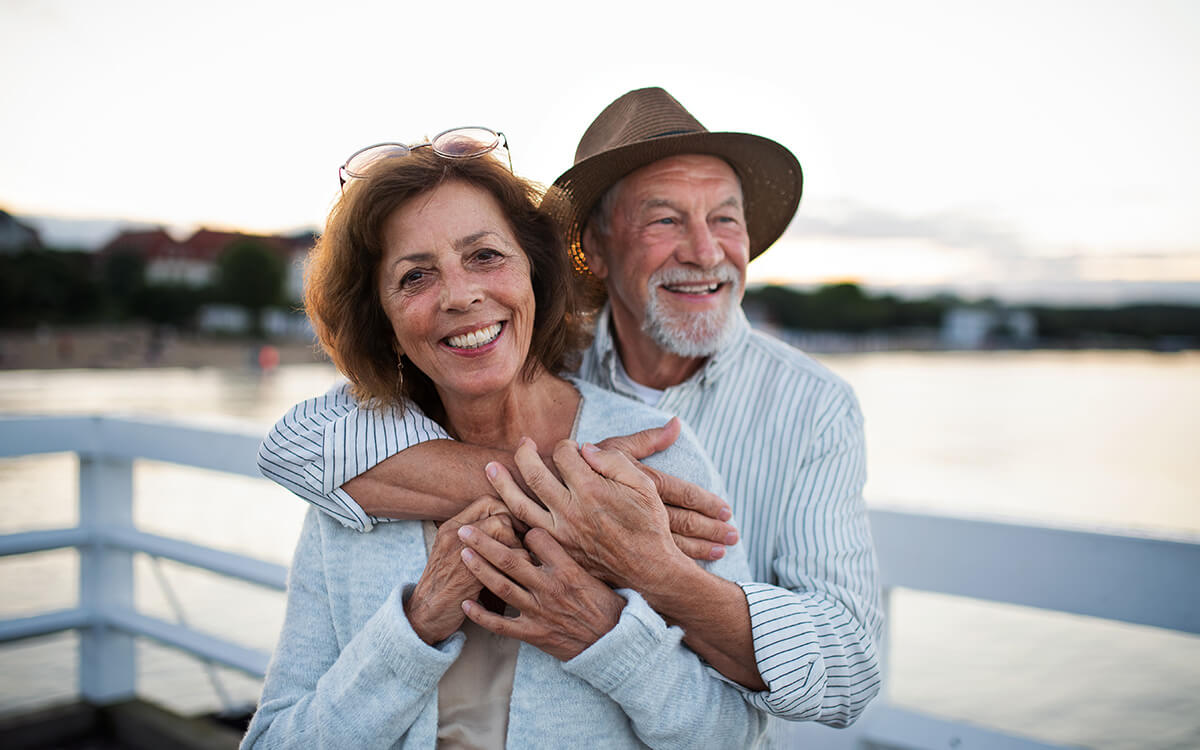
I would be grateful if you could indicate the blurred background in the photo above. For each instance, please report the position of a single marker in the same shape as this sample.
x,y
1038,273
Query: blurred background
x,y
998,247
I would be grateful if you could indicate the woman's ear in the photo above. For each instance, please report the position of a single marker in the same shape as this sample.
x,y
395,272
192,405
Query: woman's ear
x,y
593,252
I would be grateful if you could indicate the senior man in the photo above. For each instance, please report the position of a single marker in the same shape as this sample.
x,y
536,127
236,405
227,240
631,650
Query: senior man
x,y
667,215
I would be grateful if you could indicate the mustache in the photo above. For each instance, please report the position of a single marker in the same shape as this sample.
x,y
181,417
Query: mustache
x,y
724,273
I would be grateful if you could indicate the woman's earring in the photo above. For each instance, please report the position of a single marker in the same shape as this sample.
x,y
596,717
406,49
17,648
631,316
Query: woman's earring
x,y
399,373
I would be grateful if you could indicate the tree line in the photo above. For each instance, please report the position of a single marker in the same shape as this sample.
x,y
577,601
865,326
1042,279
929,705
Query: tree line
x,y
847,308
74,287
39,286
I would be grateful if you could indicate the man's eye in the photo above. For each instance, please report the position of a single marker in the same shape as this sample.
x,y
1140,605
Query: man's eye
x,y
665,220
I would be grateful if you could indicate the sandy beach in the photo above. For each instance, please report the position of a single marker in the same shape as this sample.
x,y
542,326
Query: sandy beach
x,y
140,346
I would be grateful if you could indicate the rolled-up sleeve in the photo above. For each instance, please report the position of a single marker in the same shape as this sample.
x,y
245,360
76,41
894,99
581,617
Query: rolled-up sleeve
x,y
324,442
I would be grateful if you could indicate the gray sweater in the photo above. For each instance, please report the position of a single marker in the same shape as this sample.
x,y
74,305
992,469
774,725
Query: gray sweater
x,y
349,671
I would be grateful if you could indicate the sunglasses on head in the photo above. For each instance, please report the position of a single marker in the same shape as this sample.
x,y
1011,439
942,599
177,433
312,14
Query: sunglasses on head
x,y
456,143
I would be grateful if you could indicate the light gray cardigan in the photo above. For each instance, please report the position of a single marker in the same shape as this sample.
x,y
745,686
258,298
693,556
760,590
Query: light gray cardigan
x,y
349,672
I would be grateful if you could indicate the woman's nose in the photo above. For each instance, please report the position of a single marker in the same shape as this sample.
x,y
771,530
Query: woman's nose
x,y
460,290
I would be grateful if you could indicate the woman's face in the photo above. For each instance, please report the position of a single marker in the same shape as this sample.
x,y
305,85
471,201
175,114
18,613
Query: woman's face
x,y
457,290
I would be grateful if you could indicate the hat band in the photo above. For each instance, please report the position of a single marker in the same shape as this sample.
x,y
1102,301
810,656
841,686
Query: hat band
x,y
670,133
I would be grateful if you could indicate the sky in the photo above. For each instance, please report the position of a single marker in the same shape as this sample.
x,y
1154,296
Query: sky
x,y
1038,149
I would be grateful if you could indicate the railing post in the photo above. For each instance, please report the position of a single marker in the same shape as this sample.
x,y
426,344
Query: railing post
x,y
106,656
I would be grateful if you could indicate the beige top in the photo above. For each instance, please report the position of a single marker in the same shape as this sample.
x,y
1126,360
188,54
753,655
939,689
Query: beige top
x,y
473,695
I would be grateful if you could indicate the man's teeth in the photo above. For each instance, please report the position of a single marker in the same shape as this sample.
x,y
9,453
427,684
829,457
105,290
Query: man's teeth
x,y
694,288
475,339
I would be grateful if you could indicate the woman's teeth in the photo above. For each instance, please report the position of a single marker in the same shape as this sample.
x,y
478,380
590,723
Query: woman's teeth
x,y
475,339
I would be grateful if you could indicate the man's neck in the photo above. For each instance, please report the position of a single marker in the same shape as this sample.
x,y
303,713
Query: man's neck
x,y
647,363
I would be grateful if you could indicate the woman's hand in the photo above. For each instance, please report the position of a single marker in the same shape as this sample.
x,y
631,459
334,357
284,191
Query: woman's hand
x,y
434,608
563,610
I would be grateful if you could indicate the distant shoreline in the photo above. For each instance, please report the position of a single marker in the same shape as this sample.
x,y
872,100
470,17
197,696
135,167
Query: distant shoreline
x,y
138,346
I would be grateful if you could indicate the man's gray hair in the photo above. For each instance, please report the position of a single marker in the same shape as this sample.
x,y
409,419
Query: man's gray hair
x,y
600,219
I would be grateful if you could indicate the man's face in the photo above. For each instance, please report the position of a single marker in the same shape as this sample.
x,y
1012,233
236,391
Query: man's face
x,y
675,255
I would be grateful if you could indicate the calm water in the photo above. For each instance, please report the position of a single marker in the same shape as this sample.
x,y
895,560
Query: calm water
x,y
1100,440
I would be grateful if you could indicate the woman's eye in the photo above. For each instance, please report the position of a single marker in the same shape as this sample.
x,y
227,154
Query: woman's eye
x,y
488,254
410,278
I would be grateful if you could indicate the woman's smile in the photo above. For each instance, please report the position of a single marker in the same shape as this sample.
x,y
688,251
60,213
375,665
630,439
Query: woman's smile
x,y
475,340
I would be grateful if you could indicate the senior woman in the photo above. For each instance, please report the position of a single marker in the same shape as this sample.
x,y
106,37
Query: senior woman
x,y
439,282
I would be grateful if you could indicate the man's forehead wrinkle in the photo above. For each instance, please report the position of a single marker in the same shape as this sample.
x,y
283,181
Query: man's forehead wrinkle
x,y
733,201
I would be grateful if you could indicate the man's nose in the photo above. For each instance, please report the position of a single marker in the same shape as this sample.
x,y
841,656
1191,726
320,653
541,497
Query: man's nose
x,y
700,247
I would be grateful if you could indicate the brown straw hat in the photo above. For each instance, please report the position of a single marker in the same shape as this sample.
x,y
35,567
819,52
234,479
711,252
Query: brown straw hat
x,y
646,125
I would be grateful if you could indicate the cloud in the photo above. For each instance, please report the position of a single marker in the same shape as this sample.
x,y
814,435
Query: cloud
x,y
961,229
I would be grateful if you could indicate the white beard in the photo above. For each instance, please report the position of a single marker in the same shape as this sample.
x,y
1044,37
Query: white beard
x,y
691,335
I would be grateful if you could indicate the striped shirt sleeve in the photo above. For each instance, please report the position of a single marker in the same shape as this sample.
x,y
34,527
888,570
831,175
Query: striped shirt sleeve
x,y
324,442
815,629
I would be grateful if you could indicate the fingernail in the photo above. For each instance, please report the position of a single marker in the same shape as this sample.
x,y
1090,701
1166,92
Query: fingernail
x,y
731,537
466,605
465,532
491,470
726,513
716,554
526,441
467,555
590,449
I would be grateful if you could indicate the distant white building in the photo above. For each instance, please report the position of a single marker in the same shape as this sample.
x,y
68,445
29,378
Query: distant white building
x,y
983,327
193,262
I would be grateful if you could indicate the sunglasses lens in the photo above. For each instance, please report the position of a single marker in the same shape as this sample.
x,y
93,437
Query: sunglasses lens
x,y
358,164
464,142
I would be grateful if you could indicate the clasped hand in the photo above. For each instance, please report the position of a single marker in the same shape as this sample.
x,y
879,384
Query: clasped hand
x,y
604,511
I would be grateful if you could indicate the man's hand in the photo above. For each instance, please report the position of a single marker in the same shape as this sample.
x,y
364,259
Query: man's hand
x,y
697,516
563,610
605,512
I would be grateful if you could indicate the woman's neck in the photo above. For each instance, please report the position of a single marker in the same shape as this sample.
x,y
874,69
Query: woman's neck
x,y
542,409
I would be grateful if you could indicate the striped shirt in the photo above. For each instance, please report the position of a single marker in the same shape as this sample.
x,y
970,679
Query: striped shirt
x,y
786,435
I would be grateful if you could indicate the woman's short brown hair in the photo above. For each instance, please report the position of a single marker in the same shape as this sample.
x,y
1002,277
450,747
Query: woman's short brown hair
x,y
341,281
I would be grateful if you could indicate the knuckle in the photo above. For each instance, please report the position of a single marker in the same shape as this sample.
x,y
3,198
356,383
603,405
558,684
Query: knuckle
x,y
509,564
505,590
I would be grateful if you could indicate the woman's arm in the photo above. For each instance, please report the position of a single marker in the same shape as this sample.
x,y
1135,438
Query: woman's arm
x,y
367,693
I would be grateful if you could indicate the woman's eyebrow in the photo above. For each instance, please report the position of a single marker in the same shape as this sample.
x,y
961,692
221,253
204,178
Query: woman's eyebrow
x,y
471,239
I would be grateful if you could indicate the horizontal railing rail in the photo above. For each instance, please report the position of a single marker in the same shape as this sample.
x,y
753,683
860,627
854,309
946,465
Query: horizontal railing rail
x,y
1115,576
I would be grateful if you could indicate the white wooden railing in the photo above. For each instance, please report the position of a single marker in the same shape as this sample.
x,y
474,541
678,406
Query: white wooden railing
x,y
1147,581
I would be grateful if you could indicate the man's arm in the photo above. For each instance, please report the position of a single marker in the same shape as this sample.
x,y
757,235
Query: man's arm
x,y
809,640
816,628
323,442
359,464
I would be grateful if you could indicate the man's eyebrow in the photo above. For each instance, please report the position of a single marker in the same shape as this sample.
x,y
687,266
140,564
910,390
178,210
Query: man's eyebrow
x,y
657,203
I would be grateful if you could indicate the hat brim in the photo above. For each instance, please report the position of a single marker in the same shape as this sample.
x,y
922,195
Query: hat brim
x,y
770,175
